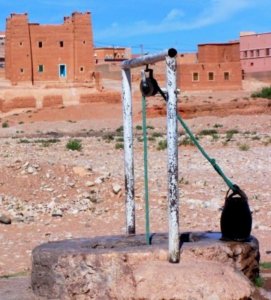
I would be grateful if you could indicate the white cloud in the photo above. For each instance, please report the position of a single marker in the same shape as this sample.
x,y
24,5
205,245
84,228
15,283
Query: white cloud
x,y
174,14
215,11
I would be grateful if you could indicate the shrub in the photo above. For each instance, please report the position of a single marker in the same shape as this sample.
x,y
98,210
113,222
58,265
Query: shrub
x,y
119,139
138,127
230,133
74,144
265,265
186,142
162,145
157,134
119,146
108,137
119,129
5,125
263,93
208,132
244,147
259,281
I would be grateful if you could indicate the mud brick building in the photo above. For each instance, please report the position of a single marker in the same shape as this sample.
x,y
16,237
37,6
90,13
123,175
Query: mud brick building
x,y
215,67
255,54
111,54
49,53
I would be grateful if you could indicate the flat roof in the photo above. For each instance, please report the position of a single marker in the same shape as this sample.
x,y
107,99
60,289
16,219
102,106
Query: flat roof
x,y
219,44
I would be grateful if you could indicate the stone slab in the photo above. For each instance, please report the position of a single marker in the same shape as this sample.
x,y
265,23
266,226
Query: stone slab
x,y
124,267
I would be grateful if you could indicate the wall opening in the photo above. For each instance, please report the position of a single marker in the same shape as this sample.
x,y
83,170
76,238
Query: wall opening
x,y
226,76
40,44
62,71
211,76
40,69
195,76
61,44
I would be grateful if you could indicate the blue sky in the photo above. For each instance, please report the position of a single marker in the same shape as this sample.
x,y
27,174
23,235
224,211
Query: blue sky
x,y
157,25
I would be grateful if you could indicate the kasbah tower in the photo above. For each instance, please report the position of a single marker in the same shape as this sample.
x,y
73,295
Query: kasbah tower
x,y
49,53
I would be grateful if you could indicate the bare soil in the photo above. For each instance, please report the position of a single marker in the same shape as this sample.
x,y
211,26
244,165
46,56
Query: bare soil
x,y
40,177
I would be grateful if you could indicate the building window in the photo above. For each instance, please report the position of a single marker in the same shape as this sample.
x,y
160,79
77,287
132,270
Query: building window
x,y
226,76
211,76
251,53
257,53
62,71
21,43
267,52
61,44
84,42
252,64
21,70
245,54
195,76
81,69
40,69
40,44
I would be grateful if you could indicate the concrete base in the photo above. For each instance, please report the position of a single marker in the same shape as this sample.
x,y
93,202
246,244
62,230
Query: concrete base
x,y
124,267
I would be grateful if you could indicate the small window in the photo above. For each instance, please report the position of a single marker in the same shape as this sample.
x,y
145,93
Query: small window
x,y
84,42
195,76
21,70
40,69
61,44
21,43
251,53
40,44
245,54
226,76
211,76
267,52
81,69
257,53
252,64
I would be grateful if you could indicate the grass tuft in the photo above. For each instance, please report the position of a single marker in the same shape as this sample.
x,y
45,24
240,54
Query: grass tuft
x,y
74,145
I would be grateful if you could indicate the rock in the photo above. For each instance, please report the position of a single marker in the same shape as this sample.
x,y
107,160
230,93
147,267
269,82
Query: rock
x,y
86,195
116,188
81,171
89,184
30,170
57,213
99,180
71,183
5,219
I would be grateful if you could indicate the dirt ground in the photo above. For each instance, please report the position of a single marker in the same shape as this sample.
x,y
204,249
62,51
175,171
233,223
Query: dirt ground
x,y
52,193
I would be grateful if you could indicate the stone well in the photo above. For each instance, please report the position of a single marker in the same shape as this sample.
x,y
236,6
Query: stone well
x,y
124,267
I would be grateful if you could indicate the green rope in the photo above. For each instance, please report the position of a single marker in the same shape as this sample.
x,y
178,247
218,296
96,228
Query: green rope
x,y
146,180
211,160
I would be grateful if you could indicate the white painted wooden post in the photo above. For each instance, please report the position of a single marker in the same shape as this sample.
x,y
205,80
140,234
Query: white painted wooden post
x,y
172,143
128,151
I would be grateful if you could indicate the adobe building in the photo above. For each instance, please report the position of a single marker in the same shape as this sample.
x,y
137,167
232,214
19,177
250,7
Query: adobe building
x,y
49,53
255,55
111,54
215,67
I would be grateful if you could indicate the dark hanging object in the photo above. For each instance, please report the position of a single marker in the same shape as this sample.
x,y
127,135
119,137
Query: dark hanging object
x,y
149,86
236,218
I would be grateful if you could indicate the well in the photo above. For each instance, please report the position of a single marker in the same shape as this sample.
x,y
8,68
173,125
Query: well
x,y
124,267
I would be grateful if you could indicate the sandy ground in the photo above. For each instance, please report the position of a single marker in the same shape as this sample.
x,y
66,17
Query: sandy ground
x,y
51,193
